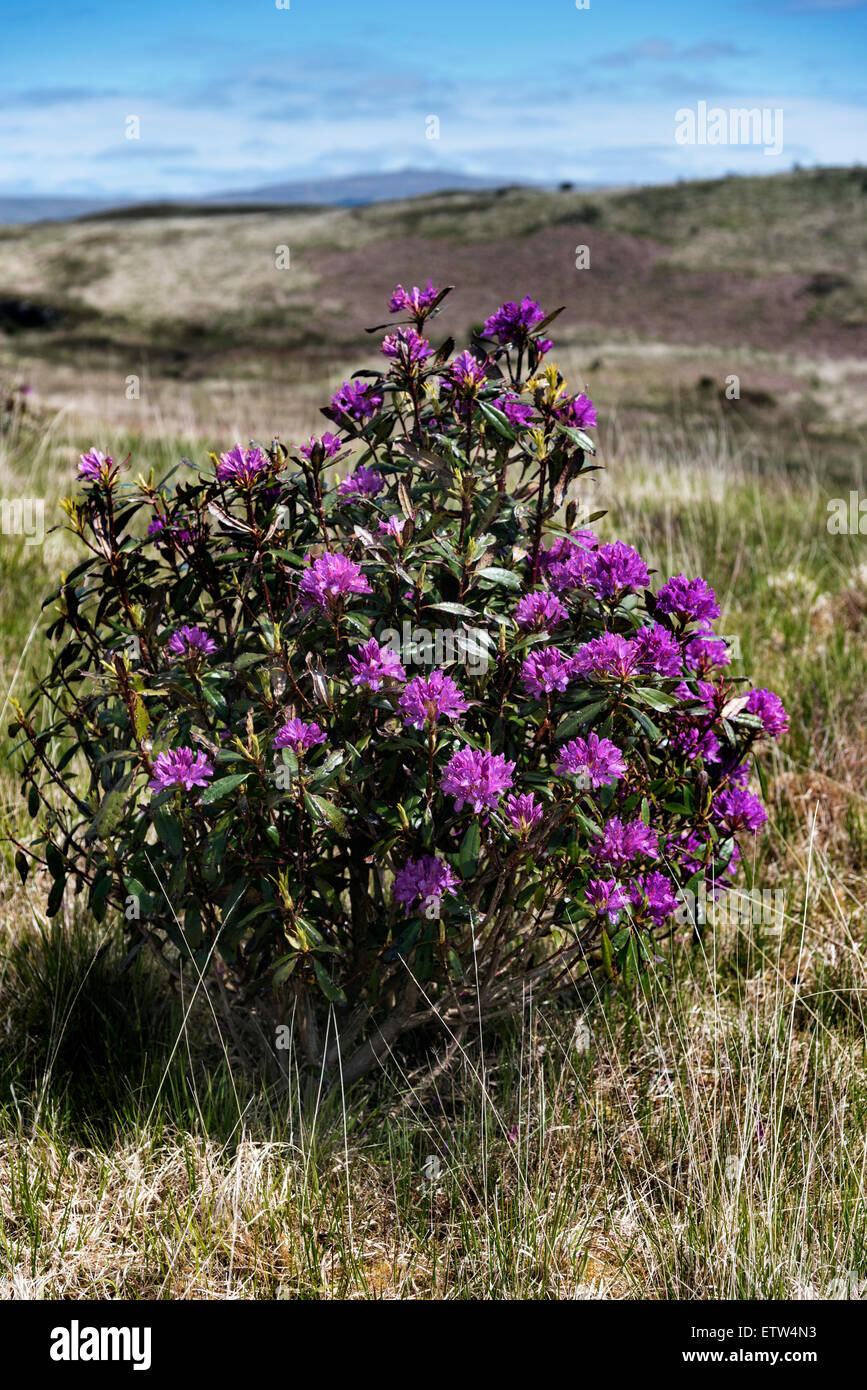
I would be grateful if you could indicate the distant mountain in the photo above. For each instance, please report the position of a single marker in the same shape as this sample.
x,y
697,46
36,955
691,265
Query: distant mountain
x,y
355,189
48,209
360,188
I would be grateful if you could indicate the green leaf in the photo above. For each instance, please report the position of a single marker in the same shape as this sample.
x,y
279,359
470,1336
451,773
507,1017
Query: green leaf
x,y
141,717
320,807
455,965
54,859
222,786
657,699
507,578
169,832
587,825
99,893
284,967
333,993
22,864
216,701
460,609
55,897
468,853
498,420
578,437
646,723
111,811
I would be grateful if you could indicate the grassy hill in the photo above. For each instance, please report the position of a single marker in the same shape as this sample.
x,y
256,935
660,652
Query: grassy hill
x,y
687,284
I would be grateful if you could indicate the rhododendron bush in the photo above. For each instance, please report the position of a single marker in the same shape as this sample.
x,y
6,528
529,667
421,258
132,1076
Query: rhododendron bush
x,y
368,726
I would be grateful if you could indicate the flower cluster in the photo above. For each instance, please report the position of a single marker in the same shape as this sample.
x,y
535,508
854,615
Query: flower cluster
x,y
425,880
594,759
357,400
375,665
364,482
477,779
427,700
243,467
191,642
330,579
414,301
181,767
298,736
512,322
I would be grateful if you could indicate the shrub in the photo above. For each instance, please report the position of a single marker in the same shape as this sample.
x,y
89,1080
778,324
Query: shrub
x,y
401,748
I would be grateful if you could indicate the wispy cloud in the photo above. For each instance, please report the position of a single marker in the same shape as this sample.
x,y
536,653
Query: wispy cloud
x,y
133,149
664,51
40,97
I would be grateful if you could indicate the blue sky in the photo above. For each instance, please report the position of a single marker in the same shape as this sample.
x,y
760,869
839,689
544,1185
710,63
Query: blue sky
x,y
233,95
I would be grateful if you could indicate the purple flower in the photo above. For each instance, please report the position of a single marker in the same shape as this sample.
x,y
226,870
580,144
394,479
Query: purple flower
x,y
425,701
597,760
540,611
166,531
298,736
546,671
374,664
657,652
191,641
688,599
692,742
364,482
94,464
326,446
616,570
607,655
181,767
329,579
735,774
569,560
516,411
606,895
242,466
406,346
476,777
691,849
654,894
522,813
415,301
704,651
706,694
512,322
737,809
770,709
360,400
393,526
622,843
578,412
467,373
421,880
